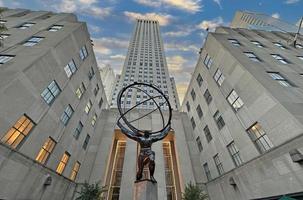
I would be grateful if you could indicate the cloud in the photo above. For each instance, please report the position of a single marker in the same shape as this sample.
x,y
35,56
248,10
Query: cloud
x,y
180,47
106,45
94,29
86,7
118,57
218,2
276,15
175,63
291,1
163,19
181,33
191,6
211,24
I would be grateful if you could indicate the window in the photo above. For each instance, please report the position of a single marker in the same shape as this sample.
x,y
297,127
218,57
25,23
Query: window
x,y
207,172
193,94
80,90
67,114
219,120
300,57
78,130
5,58
91,73
33,41
70,68
51,92
234,42
252,56
83,53
278,77
218,164
2,21
207,134
234,100
26,25
63,162
198,140
219,77
208,61
100,102
199,111
55,28
280,58
187,106
16,134
96,90
199,80
46,150
279,45
234,153
207,96
299,46
193,123
75,171
3,36
258,44
86,141
88,106
259,137
94,119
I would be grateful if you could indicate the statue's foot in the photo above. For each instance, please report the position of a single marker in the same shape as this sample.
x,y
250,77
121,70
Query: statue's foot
x,y
152,179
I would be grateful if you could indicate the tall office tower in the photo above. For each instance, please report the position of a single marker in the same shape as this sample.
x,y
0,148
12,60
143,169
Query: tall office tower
x,y
145,62
259,21
108,78
245,104
50,103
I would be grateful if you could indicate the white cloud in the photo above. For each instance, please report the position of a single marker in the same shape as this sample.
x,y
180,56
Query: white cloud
x,y
191,6
276,15
180,47
87,7
94,29
218,2
163,19
181,33
291,1
211,24
175,63
106,45
119,57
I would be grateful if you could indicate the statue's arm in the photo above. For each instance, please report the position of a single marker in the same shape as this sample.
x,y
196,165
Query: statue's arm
x,y
127,132
162,135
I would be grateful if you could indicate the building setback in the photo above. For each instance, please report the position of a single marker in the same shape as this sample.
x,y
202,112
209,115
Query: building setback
x,y
245,102
108,78
145,62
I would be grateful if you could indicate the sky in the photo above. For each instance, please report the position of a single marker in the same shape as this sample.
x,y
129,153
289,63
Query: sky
x,y
183,24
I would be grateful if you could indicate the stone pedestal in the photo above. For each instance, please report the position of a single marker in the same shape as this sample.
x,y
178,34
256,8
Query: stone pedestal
x,y
146,190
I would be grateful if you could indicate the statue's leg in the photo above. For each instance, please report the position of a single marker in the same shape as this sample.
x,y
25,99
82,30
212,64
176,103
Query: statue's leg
x,y
140,167
152,166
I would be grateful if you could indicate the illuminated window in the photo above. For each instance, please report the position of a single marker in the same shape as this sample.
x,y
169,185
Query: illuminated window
x,y
234,153
70,68
259,137
78,130
94,119
207,96
63,163
86,141
46,150
80,90
83,53
219,164
234,100
207,171
18,132
219,77
66,115
5,58
26,25
33,41
51,92
55,28
75,171
88,107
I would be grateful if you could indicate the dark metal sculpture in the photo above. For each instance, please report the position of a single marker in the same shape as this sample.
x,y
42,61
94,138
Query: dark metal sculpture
x,y
143,137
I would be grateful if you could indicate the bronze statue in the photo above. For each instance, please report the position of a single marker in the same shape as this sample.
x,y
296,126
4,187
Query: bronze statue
x,y
146,156
143,137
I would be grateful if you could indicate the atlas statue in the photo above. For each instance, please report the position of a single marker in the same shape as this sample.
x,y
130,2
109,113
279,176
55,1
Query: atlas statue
x,y
145,138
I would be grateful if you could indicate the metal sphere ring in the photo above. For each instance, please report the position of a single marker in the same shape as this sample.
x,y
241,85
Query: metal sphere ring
x,y
161,95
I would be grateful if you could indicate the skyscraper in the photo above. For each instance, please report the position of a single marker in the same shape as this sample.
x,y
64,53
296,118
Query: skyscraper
x,y
145,62
108,78
245,102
